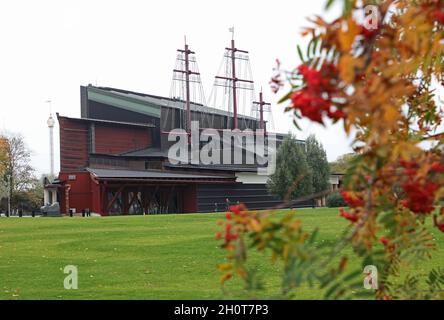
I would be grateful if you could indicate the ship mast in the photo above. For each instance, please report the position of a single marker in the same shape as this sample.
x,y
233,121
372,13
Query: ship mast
x,y
261,103
233,77
186,53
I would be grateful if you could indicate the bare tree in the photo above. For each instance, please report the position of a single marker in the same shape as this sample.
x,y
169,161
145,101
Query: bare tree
x,y
18,173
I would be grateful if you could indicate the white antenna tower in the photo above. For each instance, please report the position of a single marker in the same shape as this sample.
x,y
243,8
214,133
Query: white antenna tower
x,y
51,123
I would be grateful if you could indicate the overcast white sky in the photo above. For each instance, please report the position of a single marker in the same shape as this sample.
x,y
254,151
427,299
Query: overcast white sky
x,y
50,48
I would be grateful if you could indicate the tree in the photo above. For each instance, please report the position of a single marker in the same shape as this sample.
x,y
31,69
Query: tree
x,y
293,177
318,163
18,173
342,163
378,77
31,199
3,157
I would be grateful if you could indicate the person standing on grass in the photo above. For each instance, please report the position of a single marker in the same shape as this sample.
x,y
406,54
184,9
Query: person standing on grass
x,y
227,201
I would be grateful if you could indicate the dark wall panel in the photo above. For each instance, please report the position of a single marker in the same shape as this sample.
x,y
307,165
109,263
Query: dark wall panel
x,y
211,198
102,111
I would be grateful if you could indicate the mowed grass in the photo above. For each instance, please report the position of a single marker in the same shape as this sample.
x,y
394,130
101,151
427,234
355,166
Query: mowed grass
x,y
150,257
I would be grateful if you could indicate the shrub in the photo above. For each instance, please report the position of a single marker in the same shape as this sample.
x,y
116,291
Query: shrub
x,y
335,200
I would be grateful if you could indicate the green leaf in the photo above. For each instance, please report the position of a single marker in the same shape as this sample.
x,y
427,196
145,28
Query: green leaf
x,y
301,55
329,4
332,290
315,46
352,275
296,125
285,98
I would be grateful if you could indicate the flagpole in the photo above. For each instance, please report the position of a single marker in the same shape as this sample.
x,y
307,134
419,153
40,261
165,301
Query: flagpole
x,y
232,32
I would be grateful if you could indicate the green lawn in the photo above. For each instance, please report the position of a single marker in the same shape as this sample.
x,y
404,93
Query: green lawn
x,y
151,257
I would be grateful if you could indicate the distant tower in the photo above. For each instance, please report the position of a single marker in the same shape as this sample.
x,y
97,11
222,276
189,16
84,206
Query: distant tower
x,y
51,124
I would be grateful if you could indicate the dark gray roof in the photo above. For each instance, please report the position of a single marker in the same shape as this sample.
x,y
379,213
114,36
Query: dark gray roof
x,y
169,102
151,174
228,167
134,124
148,152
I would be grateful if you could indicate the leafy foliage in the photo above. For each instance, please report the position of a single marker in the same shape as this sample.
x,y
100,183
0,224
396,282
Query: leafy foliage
x,y
318,163
31,199
3,154
335,200
3,158
293,176
341,164
380,84
301,169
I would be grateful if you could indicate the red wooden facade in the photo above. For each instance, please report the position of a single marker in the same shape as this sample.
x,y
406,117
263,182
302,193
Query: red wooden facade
x,y
82,189
73,144
116,140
